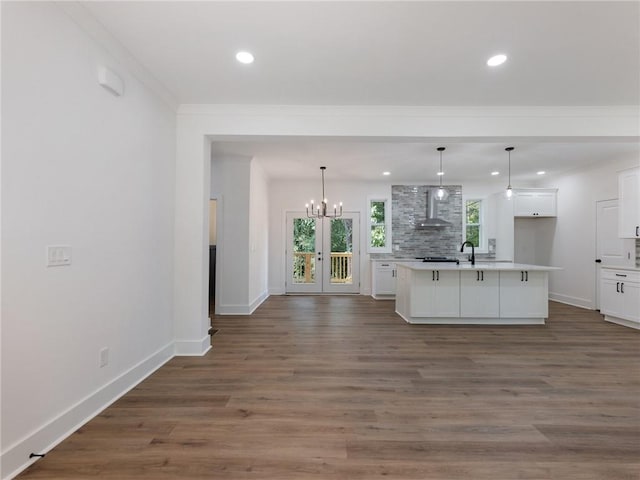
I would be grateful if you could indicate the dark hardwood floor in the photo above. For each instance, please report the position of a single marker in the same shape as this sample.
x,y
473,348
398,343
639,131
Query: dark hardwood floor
x,y
341,388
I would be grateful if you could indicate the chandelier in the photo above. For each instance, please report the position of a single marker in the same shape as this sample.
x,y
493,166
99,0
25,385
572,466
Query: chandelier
x,y
319,211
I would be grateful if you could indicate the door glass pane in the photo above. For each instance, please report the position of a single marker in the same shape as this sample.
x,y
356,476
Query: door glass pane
x,y
341,250
304,249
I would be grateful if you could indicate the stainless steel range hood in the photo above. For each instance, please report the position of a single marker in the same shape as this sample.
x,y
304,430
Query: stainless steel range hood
x,y
432,219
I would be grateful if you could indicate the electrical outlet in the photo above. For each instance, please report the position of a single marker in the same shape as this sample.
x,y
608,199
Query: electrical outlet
x,y
104,357
58,255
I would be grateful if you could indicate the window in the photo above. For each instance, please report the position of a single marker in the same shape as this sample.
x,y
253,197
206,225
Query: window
x,y
379,220
473,222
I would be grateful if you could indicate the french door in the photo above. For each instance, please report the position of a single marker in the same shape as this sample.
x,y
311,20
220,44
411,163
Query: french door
x,y
323,254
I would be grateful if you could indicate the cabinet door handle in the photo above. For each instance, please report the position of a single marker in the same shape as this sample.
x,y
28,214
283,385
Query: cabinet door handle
x,y
393,273
618,287
482,273
622,287
433,275
438,275
526,276
521,276
620,275
477,276
637,234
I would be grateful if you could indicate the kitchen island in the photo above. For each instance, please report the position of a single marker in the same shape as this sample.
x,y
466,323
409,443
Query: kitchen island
x,y
480,294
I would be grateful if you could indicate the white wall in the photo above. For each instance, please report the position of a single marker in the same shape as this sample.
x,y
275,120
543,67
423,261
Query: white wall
x,y
241,187
570,240
291,196
84,168
230,184
258,236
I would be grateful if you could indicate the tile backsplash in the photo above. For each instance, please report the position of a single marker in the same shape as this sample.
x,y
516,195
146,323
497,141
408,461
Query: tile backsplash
x,y
409,203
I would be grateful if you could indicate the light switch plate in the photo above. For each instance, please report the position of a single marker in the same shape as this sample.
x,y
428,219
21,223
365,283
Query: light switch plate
x,y
58,255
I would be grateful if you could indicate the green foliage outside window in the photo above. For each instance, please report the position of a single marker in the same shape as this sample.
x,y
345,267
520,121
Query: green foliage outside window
x,y
304,235
341,235
304,241
378,228
472,212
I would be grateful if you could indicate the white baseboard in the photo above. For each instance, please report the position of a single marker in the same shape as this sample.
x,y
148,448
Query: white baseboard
x,y
276,291
16,457
193,348
471,321
242,309
623,322
574,301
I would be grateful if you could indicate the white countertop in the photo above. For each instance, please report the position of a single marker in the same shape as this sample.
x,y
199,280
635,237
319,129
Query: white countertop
x,y
500,266
618,267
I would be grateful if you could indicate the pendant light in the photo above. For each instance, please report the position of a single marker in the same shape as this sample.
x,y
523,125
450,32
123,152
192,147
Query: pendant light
x,y
509,189
321,210
441,191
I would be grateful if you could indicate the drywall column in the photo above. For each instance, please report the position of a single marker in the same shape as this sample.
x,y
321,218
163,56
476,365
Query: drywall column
x,y
231,182
191,278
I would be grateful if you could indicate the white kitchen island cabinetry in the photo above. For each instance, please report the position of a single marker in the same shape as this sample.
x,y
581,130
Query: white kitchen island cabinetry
x,y
524,294
440,294
511,294
620,296
479,293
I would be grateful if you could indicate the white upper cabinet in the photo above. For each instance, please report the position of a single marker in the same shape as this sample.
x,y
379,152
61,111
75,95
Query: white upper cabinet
x,y
629,203
535,202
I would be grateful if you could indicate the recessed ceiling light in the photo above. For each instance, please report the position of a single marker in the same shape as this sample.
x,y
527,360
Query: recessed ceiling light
x,y
244,57
386,173
497,60
440,173
495,173
541,172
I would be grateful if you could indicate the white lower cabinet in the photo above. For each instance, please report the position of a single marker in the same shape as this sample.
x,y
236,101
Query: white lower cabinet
x,y
383,279
479,294
620,296
435,293
524,294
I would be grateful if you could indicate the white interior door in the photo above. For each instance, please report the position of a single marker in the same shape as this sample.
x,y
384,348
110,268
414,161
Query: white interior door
x,y
610,249
322,255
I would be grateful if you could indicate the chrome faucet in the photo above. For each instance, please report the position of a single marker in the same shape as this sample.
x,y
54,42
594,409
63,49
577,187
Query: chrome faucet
x,y
473,251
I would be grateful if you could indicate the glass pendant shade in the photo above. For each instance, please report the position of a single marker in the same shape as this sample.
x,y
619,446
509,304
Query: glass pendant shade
x,y
509,191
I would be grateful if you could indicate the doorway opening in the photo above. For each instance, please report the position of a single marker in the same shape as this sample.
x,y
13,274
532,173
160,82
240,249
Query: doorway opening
x,y
323,254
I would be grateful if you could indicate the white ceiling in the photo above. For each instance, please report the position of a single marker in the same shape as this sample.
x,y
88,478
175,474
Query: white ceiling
x,y
392,53
419,161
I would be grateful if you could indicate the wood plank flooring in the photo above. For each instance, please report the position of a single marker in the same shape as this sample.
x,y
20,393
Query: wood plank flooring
x,y
342,388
